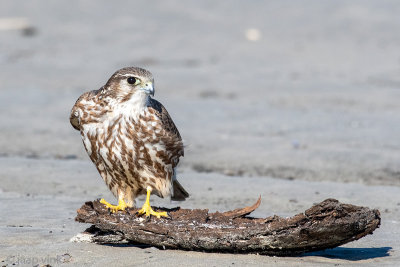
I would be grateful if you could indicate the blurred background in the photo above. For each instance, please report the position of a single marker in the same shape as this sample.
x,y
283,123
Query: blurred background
x,y
296,101
287,89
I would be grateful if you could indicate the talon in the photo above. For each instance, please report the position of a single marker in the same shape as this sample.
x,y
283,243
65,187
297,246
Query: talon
x,y
148,211
121,205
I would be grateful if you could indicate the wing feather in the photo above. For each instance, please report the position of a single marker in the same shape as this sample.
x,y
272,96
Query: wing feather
x,y
167,123
163,115
74,115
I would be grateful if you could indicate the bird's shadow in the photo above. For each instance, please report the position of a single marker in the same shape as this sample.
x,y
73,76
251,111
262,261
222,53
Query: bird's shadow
x,y
351,254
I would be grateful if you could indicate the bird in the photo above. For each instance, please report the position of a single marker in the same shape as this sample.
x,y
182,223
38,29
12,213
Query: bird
x,y
131,139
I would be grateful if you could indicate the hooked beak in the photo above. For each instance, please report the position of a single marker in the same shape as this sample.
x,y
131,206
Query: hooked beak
x,y
148,88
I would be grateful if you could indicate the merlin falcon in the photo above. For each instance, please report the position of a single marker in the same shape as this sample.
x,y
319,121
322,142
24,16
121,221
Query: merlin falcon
x,y
131,139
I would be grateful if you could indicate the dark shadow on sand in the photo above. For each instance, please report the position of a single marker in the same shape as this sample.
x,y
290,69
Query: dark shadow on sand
x,y
129,245
352,254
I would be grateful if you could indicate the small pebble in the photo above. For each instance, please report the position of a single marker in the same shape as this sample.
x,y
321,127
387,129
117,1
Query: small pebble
x,y
253,34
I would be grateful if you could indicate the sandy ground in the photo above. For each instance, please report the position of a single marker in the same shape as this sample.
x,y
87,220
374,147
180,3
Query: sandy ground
x,y
296,101
39,212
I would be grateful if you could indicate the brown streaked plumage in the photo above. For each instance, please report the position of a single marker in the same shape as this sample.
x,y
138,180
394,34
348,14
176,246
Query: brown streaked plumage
x,y
130,137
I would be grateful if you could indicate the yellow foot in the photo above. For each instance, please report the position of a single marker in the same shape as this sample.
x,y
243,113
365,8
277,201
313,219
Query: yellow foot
x,y
121,205
147,210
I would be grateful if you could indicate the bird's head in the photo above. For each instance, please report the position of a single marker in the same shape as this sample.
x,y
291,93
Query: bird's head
x,y
131,83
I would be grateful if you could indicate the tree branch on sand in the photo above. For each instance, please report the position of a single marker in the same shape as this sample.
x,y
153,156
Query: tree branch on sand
x,y
325,225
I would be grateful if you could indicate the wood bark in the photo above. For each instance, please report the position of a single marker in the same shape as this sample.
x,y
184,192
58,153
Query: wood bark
x,y
325,225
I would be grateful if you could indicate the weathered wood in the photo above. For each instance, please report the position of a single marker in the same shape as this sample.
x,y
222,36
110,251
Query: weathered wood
x,y
325,225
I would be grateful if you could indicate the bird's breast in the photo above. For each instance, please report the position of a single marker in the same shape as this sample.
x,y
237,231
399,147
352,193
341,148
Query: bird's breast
x,y
124,137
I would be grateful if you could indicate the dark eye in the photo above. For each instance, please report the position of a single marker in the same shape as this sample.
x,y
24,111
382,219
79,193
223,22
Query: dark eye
x,y
131,80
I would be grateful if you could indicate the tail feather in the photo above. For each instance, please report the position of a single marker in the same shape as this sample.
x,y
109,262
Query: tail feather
x,y
179,192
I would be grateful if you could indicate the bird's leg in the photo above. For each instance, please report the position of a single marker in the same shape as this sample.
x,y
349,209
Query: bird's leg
x,y
147,210
121,205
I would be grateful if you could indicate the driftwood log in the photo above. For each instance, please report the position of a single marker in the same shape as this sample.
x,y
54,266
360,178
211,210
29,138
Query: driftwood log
x,y
324,225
